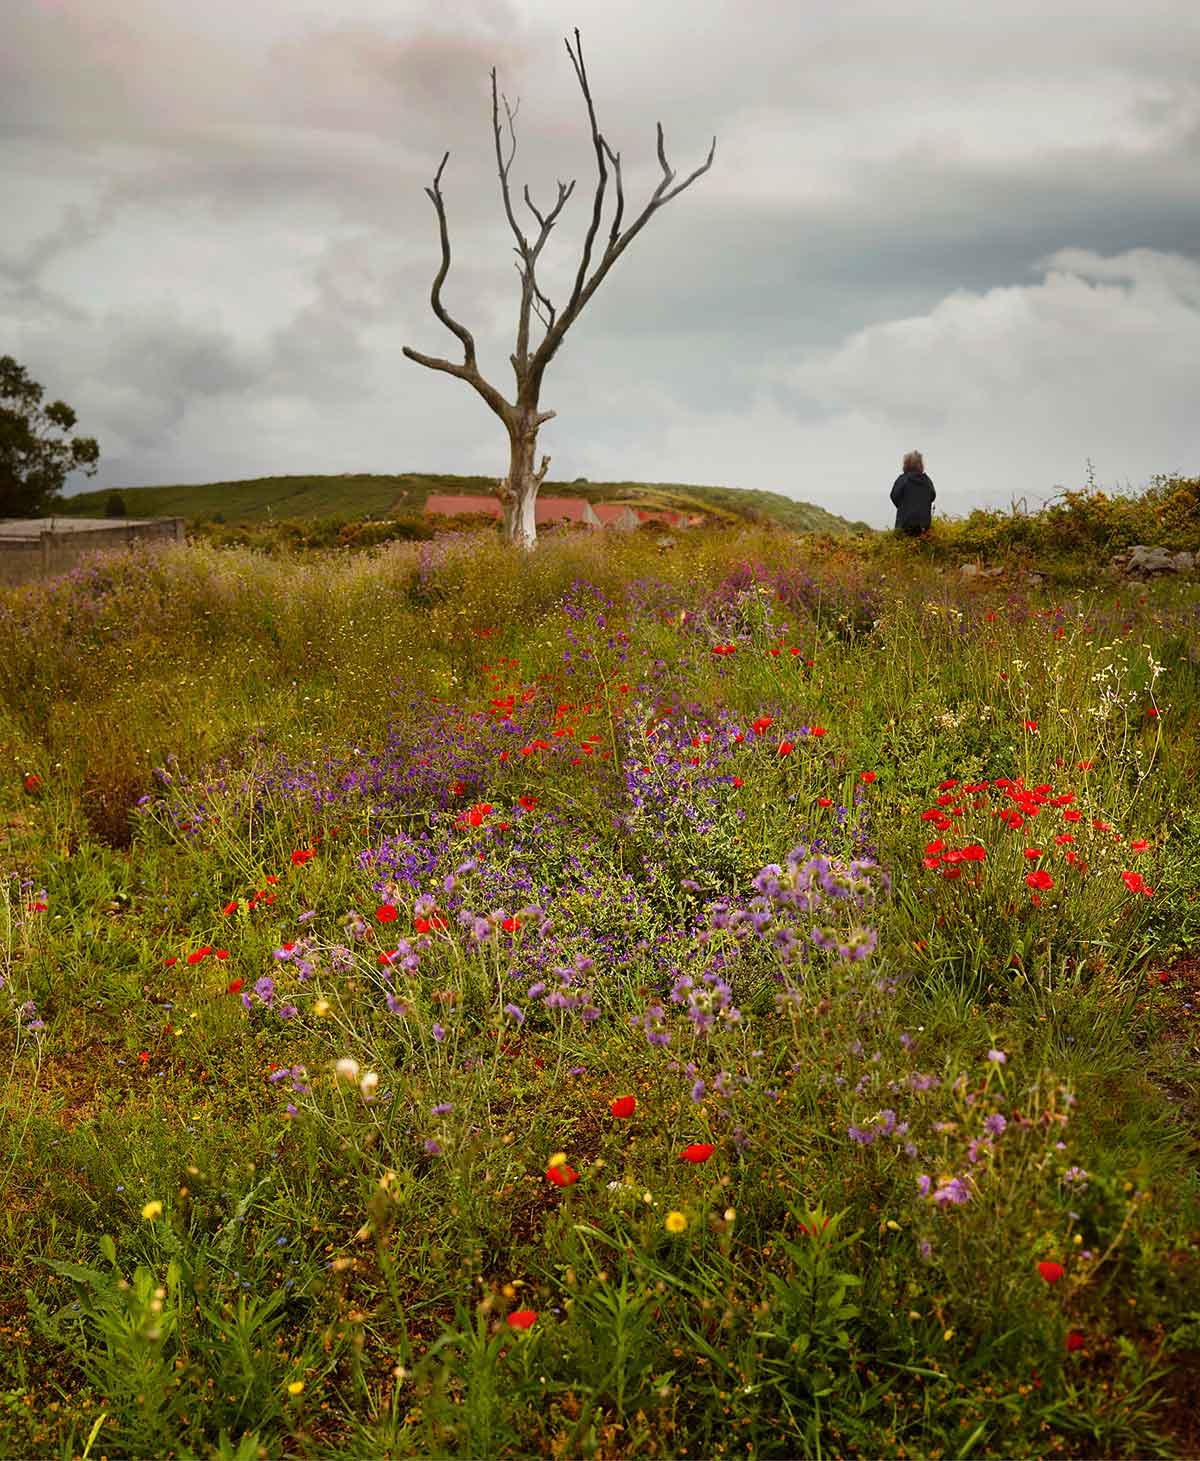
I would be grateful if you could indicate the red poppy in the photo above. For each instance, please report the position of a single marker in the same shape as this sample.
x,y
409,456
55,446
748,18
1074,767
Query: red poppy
x,y
510,925
522,1319
868,777
422,925
562,1176
220,953
170,961
1032,852
762,724
385,913
386,957
1063,839
1051,1272
230,907
824,801
458,788
974,852
785,748
194,958
143,1056
1084,765
699,1151
1152,711
946,785
1070,816
1075,1340
1040,880
32,781
300,857
624,1107
234,986
527,802
737,781
1139,846
1133,881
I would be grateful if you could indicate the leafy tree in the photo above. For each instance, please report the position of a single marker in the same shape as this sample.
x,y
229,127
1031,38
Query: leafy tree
x,y
114,505
522,418
34,464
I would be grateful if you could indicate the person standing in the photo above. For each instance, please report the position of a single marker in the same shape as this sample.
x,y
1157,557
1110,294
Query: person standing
x,y
912,496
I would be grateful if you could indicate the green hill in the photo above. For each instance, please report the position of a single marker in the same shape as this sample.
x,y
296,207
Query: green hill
x,y
353,497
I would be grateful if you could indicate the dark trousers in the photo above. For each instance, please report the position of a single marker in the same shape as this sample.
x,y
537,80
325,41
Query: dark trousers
x,y
913,530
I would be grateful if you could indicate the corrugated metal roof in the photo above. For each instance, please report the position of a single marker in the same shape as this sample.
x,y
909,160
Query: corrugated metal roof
x,y
33,527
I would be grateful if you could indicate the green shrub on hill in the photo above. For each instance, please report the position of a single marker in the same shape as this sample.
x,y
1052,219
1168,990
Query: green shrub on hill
x,y
1083,521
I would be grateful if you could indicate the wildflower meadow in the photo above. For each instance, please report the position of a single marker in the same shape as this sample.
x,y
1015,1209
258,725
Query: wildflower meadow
x,y
728,998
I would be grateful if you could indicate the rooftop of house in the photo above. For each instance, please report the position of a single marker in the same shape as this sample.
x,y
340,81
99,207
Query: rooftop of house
x,y
33,527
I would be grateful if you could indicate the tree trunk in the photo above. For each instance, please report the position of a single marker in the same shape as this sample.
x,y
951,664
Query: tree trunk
x,y
519,490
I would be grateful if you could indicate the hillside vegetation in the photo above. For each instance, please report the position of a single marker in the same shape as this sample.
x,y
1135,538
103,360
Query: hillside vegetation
x,y
354,497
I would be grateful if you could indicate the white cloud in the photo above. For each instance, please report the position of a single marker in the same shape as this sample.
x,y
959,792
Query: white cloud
x,y
1009,391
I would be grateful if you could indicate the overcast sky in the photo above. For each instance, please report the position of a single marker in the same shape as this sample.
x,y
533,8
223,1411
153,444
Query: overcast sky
x,y
958,227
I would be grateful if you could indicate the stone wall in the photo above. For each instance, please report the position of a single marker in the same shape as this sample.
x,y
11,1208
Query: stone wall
x,y
28,553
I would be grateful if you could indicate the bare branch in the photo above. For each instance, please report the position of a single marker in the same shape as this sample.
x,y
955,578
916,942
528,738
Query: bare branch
x,y
598,146
617,242
538,299
662,156
466,372
615,159
435,294
522,241
533,210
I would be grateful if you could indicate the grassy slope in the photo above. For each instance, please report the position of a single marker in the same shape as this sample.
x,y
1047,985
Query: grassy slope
x,y
358,496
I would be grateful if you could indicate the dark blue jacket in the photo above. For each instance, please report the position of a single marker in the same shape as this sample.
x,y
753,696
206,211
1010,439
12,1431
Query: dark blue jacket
x,y
912,497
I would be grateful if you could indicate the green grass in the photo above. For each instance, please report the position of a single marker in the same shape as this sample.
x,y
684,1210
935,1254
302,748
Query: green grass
x,y
180,730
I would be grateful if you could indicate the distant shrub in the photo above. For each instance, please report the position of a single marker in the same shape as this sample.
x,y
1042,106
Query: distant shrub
x,y
114,505
395,530
1078,523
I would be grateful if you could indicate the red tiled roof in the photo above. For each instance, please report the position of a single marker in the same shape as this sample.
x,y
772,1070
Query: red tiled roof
x,y
449,505
548,509
614,512
554,509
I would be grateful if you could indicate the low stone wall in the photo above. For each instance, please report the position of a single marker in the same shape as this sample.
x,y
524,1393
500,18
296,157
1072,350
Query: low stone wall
x,y
26,554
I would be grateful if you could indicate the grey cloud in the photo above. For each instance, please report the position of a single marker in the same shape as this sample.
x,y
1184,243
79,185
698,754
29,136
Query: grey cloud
x,y
869,166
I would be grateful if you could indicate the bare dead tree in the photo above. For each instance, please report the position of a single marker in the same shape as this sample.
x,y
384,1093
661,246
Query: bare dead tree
x,y
522,417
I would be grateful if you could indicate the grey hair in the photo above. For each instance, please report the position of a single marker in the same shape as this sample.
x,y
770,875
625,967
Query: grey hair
x,y
914,461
